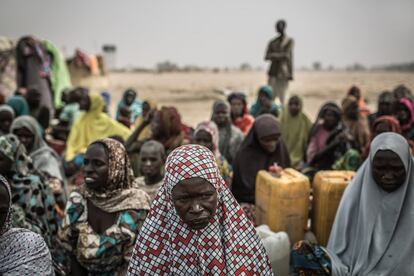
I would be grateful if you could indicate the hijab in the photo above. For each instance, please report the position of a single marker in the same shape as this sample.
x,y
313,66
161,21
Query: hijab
x,y
295,133
135,107
211,128
170,134
359,128
371,234
21,252
44,158
19,105
228,245
245,122
9,109
118,194
410,106
90,126
256,108
252,158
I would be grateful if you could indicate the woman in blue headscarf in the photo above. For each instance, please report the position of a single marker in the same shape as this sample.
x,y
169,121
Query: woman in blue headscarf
x,y
129,102
264,103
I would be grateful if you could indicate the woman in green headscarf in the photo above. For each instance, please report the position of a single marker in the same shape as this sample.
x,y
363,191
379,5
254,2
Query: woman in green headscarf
x,y
295,126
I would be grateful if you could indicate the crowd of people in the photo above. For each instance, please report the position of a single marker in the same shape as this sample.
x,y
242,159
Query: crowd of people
x,y
85,193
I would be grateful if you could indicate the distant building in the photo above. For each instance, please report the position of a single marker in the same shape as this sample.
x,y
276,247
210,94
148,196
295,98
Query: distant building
x,y
109,55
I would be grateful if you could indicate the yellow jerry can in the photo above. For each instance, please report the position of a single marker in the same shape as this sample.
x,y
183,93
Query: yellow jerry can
x,y
283,202
328,187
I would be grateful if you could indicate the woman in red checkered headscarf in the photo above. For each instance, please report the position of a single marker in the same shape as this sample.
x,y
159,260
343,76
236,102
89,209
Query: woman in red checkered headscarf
x,y
220,241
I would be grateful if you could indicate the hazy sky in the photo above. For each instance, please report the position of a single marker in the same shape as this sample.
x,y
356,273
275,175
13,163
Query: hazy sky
x,y
220,32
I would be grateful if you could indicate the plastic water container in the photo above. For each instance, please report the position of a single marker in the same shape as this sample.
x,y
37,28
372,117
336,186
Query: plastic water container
x,y
328,188
277,246
283,202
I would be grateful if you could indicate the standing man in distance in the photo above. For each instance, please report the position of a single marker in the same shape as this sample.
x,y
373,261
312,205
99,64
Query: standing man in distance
x,y
280,54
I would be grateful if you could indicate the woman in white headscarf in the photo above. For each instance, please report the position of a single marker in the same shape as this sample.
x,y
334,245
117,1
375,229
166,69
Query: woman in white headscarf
x,y
22,252
372,232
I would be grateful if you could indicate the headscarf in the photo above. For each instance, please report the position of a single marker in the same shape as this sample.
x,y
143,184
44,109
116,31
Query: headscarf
x,y
245,122
212,129
38,50
60,77
44,158
409,105
90,126
171,135
252,158
363,108
135,107
11,147
372,232
146,132
295,133
21,251
19,105
8,221
6,108
228,245
359,128
118,194
256,108
28,189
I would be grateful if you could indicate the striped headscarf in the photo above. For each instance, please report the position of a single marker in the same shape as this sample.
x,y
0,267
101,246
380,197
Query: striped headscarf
x,y
228,245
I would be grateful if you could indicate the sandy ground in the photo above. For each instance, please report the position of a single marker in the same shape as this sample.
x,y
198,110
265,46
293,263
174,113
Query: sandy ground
x,y
194,93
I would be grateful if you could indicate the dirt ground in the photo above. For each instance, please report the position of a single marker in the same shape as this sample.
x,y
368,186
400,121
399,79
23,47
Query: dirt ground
x,y
194,93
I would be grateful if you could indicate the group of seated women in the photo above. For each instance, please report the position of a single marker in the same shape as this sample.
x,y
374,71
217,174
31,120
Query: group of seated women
x,y
146,194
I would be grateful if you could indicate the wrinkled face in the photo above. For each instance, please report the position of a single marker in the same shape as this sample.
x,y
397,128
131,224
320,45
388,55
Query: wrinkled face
x,y
381,128
85,103
151,161
195,200
403,114
388,170
221,115
237,107
294,106
269,143
204,138
6,120
5,164
264,100
33,97
4,204
352,111
330,120
26,137
96,166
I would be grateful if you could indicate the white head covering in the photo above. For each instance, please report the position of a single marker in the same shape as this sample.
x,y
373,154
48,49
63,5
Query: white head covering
x,y
372,232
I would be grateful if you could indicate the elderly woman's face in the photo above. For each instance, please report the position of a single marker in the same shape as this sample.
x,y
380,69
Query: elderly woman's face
x,y
96,166
195,200
4,204
388,170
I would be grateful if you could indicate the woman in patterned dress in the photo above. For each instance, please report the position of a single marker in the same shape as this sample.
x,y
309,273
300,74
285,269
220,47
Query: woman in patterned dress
x,y
103,217
195,226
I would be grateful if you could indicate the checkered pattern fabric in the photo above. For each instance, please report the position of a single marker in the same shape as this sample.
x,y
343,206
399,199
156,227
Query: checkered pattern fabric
x,y
229,245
